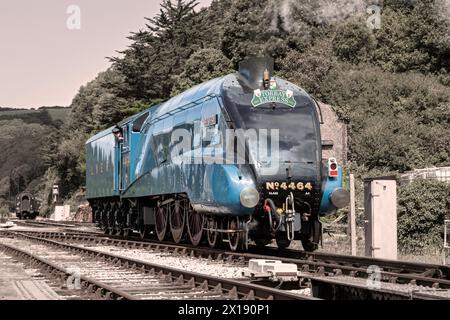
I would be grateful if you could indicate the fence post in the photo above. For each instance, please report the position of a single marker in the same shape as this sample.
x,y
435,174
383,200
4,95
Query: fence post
x,y
352,220
446,245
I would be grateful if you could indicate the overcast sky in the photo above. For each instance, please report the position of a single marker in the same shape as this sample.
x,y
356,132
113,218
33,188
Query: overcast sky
x,y
43,62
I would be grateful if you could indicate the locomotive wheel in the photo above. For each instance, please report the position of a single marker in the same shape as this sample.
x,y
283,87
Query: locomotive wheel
x,y
177,218
308,245
104,219
261,243
143,231
211,235
126,232
111,223
121,210
195,226
161,222
283,242
234,238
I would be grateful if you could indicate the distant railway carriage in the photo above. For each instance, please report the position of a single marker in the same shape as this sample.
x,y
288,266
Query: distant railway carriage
x,y
27,206
147,175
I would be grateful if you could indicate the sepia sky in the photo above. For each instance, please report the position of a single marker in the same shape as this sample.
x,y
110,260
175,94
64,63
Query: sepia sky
x,y
43,62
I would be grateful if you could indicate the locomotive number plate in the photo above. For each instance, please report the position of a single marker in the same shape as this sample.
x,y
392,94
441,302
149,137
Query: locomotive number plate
x,y
300,186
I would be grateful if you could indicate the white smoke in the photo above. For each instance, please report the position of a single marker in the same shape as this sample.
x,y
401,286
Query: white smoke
x,y
334,11
323,11
444,8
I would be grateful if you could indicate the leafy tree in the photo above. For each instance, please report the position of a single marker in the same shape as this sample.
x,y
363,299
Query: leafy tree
x,y
21,160
243,35
414,36
423,207
160,51
310,69
203,65
71,163
354,41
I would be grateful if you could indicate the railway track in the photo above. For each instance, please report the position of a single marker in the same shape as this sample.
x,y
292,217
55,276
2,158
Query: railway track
x,y
40,223
421,280
110,276
393,266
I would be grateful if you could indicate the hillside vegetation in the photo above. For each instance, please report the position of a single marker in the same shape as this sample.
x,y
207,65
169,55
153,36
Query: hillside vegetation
x,y
53,116
24,139
390,85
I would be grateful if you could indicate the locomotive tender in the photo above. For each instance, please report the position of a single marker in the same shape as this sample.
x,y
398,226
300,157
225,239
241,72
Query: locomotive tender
x,y
232,159
27,206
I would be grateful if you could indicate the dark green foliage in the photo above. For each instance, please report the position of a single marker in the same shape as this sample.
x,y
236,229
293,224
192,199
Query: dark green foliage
x,y
423,207
243,34
270,28
158,53
98,105
396,121
203,65
21,160
70,163
49,116
413,37
310,69
354,42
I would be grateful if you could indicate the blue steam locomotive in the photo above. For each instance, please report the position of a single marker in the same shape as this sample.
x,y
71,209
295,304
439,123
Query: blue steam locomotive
x,y
234,159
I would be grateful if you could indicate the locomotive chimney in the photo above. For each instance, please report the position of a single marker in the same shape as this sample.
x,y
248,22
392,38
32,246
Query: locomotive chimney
x,y
255,73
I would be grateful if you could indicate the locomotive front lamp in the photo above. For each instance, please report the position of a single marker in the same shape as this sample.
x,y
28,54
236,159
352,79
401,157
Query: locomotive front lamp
x,y
340,198
249,197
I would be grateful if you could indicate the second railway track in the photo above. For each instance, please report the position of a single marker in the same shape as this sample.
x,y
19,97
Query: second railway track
x,y
110,276
400,279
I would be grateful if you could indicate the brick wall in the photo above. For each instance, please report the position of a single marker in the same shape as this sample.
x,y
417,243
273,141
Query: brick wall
x,y
334,131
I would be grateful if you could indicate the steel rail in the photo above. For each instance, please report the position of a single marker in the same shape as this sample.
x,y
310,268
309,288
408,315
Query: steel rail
x,y
395,266
420,274
234,288
59,272
314,269
330,289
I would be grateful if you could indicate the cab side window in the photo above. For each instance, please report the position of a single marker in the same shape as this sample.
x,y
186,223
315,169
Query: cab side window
x,y
213,127
193,125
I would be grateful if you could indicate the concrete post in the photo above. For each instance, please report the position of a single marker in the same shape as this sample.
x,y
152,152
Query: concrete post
x,y
352,218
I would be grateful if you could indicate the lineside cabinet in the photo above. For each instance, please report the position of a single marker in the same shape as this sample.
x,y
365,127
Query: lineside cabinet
x,y
380,206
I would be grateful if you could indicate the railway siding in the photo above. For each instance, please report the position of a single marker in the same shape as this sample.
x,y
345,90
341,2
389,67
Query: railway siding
x,y
115,277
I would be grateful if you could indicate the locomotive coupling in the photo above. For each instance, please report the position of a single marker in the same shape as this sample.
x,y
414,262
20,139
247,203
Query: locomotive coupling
x,y
290,216
283,218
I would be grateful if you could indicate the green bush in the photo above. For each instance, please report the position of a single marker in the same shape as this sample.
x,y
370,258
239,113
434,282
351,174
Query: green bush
x,y
423,206
353,42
